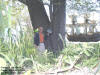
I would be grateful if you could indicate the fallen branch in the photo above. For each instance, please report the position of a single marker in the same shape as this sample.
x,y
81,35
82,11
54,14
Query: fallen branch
x,y
70,68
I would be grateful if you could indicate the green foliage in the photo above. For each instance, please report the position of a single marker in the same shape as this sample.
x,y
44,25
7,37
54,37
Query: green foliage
x,y
25,55
89,54
18,53
22,53
3,16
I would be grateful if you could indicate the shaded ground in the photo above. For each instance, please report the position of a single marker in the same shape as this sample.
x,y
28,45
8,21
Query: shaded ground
x,y
82,71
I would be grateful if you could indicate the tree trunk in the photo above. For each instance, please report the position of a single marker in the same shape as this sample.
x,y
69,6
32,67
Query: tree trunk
x,y
58,24
38,14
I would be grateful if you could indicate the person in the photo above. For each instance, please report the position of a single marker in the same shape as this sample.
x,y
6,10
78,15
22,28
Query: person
x,y
39,40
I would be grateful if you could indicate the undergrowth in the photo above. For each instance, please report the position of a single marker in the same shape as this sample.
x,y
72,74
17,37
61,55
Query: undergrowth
x,y
22,54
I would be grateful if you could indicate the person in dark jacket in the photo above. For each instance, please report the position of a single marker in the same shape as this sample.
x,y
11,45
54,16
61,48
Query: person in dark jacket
x,y
39,40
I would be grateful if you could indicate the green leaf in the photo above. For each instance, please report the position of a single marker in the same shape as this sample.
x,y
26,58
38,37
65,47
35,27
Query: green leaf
x,y
86,52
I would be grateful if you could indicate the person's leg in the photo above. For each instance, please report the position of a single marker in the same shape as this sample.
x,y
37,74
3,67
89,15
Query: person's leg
x,y
41,47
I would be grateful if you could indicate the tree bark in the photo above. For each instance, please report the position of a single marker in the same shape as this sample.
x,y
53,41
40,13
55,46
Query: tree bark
x,y
38,14
58,26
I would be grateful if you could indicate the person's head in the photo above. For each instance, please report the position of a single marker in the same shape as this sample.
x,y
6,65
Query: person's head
x,y
40,29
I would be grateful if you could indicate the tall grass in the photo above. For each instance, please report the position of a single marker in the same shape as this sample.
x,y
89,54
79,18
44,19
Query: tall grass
x,y
18,52
22,53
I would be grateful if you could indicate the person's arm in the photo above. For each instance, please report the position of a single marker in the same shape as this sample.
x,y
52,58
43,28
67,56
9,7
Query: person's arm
x,y
36,39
